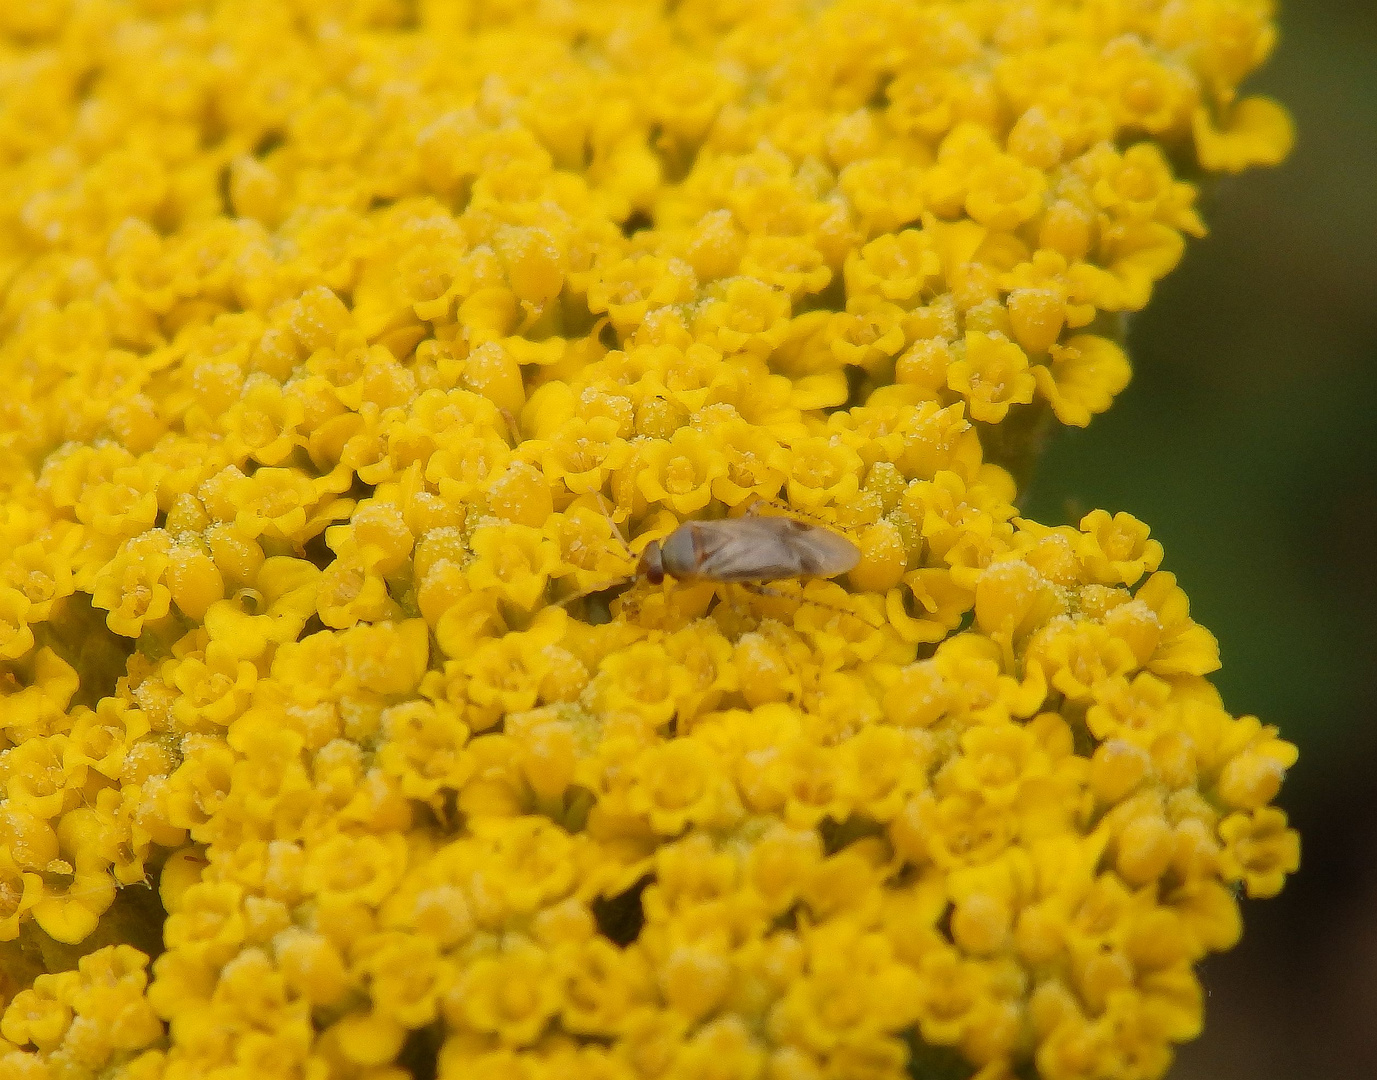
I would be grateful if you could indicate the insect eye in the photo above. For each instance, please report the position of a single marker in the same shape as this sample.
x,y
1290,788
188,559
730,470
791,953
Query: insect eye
x,y
651,565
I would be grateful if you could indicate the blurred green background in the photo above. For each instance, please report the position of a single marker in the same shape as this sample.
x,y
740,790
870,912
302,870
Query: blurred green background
x,y
1248,441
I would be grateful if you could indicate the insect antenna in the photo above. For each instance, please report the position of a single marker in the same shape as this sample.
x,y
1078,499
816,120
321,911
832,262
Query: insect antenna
x,y
513,427
612,523
610,582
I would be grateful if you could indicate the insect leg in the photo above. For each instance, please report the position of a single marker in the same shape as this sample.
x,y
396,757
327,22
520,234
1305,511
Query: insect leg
x,y
802,598
757,509
565,601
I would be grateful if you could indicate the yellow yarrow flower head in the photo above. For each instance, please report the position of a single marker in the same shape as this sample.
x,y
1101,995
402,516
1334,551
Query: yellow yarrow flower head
x,y
356,352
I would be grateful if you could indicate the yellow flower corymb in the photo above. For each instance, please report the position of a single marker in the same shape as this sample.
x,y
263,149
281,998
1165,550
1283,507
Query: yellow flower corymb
x,y
354,350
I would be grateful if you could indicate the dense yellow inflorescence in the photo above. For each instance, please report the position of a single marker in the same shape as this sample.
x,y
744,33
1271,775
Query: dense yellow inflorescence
x,y
352,348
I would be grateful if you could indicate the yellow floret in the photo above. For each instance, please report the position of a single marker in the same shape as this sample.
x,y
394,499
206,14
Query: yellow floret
x,y
354,354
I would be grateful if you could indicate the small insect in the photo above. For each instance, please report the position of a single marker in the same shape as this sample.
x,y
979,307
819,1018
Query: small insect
x,y
748,549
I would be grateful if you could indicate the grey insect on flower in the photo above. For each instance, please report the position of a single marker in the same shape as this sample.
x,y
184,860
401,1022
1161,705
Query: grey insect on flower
x,y
750,549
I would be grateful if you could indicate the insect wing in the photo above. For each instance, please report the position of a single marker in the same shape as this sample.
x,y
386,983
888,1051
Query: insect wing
x,y
769,549
820,551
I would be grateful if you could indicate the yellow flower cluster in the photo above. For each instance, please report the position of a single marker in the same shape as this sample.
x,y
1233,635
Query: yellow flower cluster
x,y
344,341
